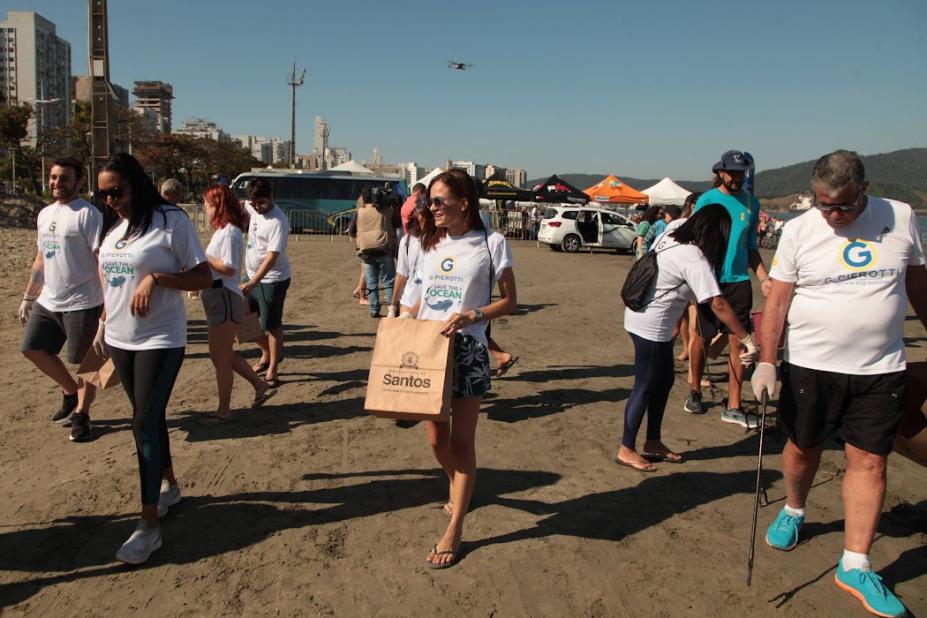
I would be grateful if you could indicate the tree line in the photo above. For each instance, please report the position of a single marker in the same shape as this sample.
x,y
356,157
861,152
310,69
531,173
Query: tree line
x,y
192,160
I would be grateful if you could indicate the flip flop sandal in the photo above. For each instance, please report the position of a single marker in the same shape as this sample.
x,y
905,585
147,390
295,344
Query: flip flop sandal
x,y
448,509
275,383
260,401
211,420
502,369
639,468
261,366
453,553
674,458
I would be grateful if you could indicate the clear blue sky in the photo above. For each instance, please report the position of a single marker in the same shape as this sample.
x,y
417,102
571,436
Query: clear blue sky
x,y
645,90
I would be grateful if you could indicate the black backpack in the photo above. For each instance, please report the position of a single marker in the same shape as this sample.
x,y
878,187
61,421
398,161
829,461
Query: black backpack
x,y
641,278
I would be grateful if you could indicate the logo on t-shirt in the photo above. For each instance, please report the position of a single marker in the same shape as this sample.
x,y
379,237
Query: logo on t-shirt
x,y
447,264
857,255
121,244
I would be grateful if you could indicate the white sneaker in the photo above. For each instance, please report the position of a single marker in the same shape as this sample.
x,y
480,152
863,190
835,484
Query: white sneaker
x,y
140,545
737,417
169,496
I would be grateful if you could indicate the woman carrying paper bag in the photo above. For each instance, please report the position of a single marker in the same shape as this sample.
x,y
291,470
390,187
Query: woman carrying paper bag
x,y
460,263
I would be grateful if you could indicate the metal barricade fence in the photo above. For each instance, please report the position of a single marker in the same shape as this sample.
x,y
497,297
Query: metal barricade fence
x,y
513,224
311,222
197,214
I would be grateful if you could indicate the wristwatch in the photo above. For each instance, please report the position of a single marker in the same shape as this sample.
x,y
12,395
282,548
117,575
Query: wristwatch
x,y
478,315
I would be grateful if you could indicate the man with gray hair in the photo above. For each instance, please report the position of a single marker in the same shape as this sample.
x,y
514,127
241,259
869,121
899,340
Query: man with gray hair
x,y
172,190
843,274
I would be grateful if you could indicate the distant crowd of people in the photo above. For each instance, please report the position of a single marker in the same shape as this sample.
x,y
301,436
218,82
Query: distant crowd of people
x,y
110,281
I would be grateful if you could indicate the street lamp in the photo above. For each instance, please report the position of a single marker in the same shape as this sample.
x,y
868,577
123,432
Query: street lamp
x,y
37,103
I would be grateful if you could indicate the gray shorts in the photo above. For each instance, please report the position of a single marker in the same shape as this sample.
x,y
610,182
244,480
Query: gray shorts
x,y
48,330
222,305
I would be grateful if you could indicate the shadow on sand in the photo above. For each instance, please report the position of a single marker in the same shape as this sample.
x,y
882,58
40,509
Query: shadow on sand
x,y
201,527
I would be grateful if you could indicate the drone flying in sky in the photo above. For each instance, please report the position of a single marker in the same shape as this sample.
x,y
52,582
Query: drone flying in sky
x,y
458,66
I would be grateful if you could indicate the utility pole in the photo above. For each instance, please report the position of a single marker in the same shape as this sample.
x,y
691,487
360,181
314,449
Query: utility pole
x,y
294,82
101,105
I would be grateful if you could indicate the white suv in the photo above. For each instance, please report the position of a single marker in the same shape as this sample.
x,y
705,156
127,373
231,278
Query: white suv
x,y
572,228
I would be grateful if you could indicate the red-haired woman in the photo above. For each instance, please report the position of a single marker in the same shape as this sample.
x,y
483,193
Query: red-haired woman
x,y
461,262
223,302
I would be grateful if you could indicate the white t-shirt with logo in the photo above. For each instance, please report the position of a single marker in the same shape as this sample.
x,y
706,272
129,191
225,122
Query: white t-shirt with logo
x,y
169,245
69,237
267,232
456,276
227,245
679,265
848,309
409,265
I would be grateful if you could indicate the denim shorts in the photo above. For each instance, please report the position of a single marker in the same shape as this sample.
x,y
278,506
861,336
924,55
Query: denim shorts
x,y
471,367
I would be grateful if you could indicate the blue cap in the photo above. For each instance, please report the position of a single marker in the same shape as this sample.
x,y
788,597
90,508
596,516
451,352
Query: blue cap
x,y
732,161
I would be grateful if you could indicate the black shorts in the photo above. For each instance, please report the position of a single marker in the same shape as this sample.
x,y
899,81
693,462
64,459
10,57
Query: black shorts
x,y
860,410
740,296
48,330
471,367
268,299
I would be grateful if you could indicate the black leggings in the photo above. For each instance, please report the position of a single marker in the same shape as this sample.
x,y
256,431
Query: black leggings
x,y
653,380
148,378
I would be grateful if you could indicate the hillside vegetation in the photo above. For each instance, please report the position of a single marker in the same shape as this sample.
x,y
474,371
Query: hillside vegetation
x,y
900,175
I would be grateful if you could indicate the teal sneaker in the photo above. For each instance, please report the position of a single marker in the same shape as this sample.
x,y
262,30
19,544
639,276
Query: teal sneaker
x,y
868,588
783,532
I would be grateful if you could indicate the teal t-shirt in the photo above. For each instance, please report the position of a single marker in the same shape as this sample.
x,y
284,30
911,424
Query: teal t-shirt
x,y
745,217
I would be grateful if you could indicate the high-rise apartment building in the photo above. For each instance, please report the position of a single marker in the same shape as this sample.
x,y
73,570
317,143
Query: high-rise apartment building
x,y
516,176
200,127
35,68
411,172
153,102
321,133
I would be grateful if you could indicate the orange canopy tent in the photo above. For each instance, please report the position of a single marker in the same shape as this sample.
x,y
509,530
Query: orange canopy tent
x,y
612,190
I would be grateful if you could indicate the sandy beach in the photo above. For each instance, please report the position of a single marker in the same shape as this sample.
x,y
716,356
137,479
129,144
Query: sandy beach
x,y
309,506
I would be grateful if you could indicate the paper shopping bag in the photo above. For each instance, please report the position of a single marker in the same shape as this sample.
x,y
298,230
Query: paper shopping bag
x,y
249,329
411,371
97,370
911,440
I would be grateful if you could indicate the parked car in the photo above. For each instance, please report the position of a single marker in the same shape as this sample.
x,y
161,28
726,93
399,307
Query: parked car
x,y
572,228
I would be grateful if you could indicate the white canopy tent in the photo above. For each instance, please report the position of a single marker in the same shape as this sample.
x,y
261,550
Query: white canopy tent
x,y
666,192
425,180
352,166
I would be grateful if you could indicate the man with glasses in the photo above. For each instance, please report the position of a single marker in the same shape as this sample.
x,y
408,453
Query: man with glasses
x,y
63,299
742,253
843,274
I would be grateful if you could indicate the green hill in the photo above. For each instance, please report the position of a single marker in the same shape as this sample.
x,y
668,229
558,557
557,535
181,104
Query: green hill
x,y
901,175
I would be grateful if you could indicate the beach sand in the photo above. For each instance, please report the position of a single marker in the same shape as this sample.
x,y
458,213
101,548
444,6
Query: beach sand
x,y
310,507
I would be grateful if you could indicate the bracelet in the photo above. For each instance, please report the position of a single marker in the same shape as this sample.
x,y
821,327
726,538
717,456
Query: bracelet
x,y
155,279
31,299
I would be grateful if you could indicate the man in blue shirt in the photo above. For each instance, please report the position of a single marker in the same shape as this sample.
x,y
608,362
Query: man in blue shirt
x,y
742,253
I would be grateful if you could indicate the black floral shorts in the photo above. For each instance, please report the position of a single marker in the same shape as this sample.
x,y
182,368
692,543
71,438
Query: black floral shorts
x,y
471,367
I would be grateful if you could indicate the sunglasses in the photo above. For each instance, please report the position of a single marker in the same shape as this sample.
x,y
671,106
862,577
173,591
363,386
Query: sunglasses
x,y
115,193
440,202
828,208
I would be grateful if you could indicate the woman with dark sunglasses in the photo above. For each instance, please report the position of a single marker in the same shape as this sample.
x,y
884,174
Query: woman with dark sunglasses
x,y
461,263
147,257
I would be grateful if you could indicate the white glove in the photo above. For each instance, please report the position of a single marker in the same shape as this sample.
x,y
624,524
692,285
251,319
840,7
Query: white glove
x,y
748,356
99,343
25,308
392,312
764,380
